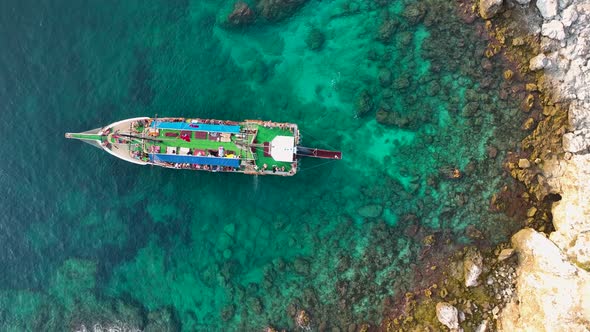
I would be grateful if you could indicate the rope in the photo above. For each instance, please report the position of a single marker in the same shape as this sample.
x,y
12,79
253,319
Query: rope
x,y
317,139
322,164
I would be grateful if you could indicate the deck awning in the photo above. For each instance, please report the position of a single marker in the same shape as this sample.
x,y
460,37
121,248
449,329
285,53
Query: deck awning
x,y
282,148
217,128
196,160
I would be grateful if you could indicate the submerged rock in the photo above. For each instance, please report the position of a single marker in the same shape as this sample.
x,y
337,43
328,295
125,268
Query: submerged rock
x,y
241,15
370,211
315,39
276,10
364,103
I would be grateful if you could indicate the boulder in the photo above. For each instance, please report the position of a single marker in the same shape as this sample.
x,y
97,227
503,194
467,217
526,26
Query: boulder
x,y
524,163
505,254
548,8
447,315
472,266
575,143
553,30
569,16
489,8
553,294
539,62
482,327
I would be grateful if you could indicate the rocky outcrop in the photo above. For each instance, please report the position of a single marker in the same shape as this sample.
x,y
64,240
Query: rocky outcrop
x,y
568,81
552,293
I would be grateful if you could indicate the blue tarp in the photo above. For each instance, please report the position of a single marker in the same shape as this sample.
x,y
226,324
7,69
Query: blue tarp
x,y
196,127
199,160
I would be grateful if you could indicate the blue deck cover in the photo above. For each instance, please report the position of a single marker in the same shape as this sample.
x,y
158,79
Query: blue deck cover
x,y
199,160
196,127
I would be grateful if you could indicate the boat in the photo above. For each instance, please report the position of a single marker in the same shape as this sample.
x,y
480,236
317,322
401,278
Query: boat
x,y
249,147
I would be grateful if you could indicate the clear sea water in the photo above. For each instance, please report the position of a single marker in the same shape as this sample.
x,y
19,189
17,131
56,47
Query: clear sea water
x,y
88,239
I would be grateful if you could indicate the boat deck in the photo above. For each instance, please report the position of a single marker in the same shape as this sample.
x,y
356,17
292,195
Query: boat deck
x,y
212,145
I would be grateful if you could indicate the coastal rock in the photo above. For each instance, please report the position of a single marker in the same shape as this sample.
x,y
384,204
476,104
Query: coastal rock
x,y
472,267
553,30
539,62
553,294
447,315
489,8
548,8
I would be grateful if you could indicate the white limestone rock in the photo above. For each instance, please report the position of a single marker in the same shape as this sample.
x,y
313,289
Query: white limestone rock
x,y
581,249
575,143
489,8
553,294
569,16
564,3
539,62
548,8
553,30
482,327
472,267
447,315
579,115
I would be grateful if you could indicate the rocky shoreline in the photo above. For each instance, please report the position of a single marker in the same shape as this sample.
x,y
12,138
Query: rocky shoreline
x,y
550,41
553,283
539,282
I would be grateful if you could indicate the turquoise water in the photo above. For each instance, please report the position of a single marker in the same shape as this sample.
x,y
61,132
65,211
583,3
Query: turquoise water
x,y
89,239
